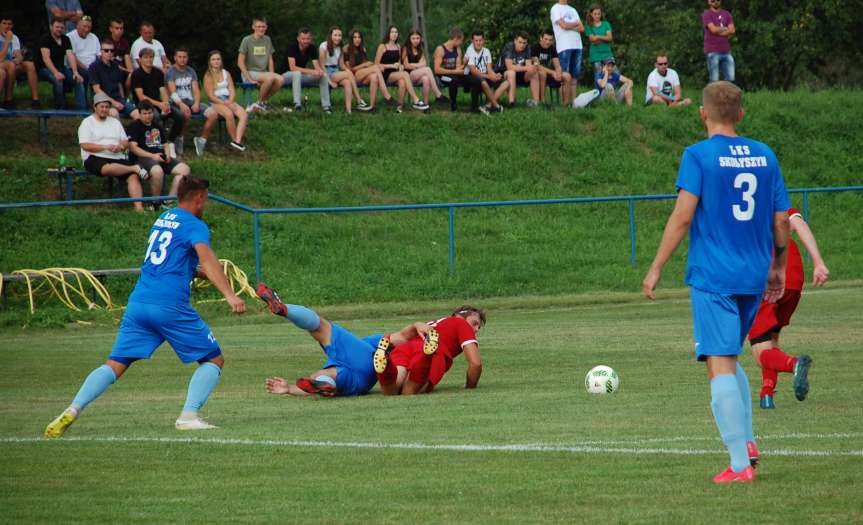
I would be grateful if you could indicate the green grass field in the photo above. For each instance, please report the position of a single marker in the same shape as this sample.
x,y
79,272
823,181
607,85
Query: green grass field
x,y
528,446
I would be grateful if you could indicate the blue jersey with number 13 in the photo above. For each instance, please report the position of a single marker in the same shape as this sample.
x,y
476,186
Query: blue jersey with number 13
x,y
740,187
170,260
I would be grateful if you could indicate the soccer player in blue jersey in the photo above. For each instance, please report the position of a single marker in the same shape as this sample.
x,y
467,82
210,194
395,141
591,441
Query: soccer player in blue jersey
x,y
732,199
349,369
159,310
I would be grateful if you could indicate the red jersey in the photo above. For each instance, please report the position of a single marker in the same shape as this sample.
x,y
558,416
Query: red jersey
x,y
794,277
454,333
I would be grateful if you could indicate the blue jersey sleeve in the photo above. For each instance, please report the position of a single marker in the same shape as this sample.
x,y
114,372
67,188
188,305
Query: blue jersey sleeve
x,y
781,202
200,233
689,177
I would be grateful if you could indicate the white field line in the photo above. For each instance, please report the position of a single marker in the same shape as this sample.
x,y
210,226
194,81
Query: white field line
x,y
535,447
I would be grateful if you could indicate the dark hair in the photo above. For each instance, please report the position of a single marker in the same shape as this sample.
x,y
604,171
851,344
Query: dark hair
x,y
407,47
456,33
190,186
386,38
118,21
355,54
259,19
522,34
477,33
145,23
5,16
145,105
547,31
594,7
146,52
106,40
181,49
57,21
331,47
466,310
303,31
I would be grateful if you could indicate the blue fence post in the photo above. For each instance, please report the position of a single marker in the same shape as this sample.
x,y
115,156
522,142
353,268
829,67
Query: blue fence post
x,y
806,206
632,232
257,226
451,240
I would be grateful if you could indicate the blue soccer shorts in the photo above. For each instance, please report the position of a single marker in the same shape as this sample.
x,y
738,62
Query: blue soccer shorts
x,y
352,357
146,326
721,322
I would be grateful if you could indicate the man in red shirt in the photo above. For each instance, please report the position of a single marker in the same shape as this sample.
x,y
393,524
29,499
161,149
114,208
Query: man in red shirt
x,y
418,365
772,317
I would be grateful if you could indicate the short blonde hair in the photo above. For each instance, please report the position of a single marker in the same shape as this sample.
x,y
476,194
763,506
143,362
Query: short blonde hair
x,y
723,101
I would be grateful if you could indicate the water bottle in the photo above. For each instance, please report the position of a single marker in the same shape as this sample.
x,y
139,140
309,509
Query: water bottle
x,y
62,163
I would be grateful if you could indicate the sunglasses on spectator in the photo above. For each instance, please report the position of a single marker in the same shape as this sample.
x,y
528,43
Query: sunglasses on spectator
x,y
662,63
108,49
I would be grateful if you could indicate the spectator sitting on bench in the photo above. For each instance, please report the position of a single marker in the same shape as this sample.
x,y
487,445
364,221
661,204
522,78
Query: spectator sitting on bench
x,y
482,77
301,55
550,72
85,46
612,85
414,60
663,86
147,41
186,95
255,60
150,150
148,83
55,50
220,90
519,69
331,56
448,65
107,77
12,63
103,145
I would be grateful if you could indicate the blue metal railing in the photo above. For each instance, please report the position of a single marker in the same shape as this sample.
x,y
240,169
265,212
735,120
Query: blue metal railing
x,y
449,206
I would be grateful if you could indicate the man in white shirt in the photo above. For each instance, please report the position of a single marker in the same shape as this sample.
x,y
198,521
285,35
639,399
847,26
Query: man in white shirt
x,y
482,76
104,144
147,40
567,28
85,46
663,85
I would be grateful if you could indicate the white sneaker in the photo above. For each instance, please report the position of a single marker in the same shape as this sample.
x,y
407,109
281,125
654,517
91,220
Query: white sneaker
x,y
193,424
200,144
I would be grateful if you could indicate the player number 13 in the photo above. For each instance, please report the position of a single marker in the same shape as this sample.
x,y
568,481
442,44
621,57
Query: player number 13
x,y
750,182
157,256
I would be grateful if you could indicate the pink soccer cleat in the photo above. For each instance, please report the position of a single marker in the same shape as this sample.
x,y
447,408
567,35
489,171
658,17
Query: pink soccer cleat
x,y
752,449
729,476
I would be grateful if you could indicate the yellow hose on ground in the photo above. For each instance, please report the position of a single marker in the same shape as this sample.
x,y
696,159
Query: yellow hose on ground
x,y
70,286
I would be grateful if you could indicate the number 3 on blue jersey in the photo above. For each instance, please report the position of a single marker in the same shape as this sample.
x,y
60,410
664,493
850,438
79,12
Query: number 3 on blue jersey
x,y
158,257
751,183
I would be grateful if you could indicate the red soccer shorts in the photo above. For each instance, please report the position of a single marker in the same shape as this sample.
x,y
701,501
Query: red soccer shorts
x,y
773,316
414,360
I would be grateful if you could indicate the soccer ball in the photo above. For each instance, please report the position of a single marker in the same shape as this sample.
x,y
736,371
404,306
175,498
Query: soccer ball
x,y
601,380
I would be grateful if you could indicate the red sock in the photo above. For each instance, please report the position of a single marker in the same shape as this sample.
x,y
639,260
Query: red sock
x,y
768,381
776,359
388,376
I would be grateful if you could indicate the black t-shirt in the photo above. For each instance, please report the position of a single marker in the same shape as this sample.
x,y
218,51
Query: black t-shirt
x,y
545,55
303,57
57,51
149,82
109,78
150,138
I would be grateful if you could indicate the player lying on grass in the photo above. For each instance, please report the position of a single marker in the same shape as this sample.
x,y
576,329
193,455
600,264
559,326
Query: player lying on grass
x,y
348,370
732,199
159,310
772,317
410,368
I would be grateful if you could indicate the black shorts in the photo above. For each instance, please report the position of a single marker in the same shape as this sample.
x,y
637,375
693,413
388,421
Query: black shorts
x,y
149,164
94,164
519,79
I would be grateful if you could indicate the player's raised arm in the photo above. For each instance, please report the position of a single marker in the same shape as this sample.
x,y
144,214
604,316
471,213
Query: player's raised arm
x,y
776,275
820,273
407,333
474,365
213,270
675,230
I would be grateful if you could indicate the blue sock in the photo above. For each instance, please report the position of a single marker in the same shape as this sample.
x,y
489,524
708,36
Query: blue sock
x,y
303,317
746,397
728,412
94,386
203,381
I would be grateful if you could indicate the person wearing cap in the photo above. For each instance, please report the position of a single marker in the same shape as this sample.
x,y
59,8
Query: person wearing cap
x,y
612,85
103,148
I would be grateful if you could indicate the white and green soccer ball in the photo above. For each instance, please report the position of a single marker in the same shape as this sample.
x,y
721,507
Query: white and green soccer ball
x,y
601,380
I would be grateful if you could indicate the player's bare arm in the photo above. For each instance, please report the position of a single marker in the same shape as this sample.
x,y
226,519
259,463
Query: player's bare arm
x,y
820,273
776,275
407,333
213,270
474,365
675,230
